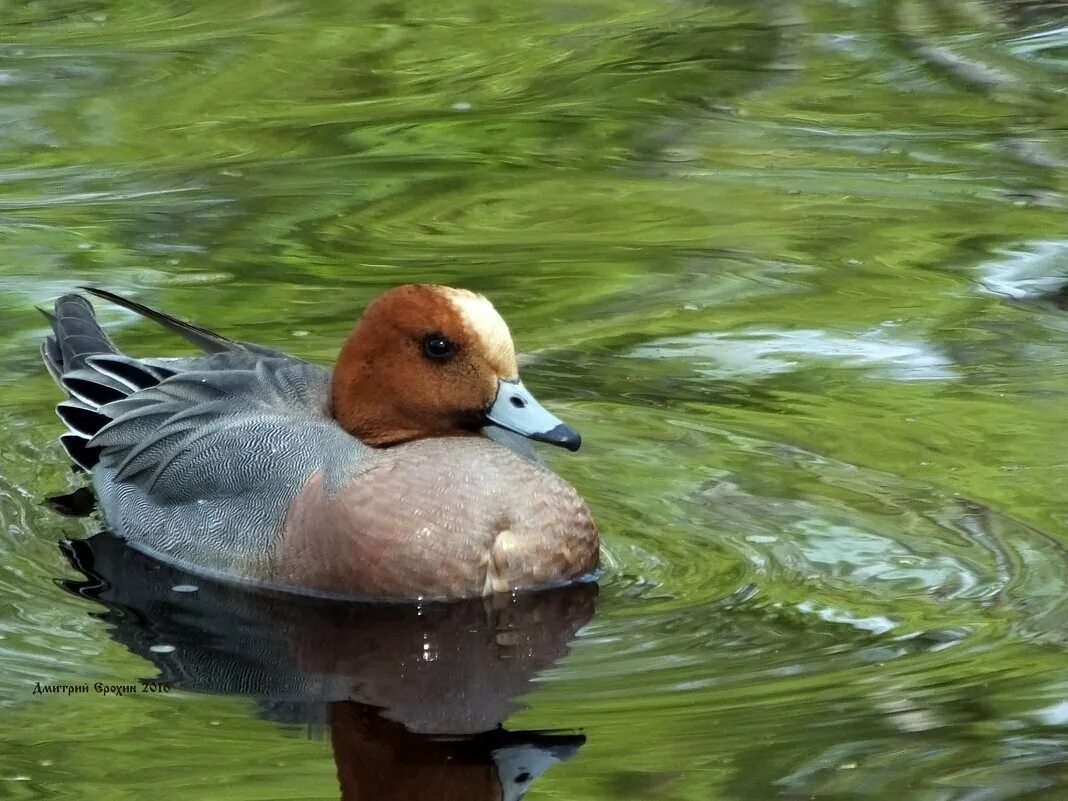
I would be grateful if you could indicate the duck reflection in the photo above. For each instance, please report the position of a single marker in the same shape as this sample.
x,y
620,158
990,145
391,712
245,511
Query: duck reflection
x,y
413,696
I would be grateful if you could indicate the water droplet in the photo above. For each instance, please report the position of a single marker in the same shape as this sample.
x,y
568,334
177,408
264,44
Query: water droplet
x,y
462,105
184,588
162,649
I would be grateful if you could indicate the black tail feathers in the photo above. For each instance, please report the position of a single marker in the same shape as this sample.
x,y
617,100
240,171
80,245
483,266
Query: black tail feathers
x,y
90,369
76,335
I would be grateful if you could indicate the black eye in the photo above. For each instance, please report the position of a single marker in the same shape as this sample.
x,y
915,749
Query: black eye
x,y
438,347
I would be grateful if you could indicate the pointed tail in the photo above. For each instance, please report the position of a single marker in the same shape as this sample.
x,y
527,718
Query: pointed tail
x,y
91,370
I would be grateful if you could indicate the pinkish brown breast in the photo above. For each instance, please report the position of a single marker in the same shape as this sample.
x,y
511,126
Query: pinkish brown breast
x,y
437,518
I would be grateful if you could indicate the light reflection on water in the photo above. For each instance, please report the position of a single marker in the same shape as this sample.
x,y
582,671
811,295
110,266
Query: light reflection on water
x,y
795,271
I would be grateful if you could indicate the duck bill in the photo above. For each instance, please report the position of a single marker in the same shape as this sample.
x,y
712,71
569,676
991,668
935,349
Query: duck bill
x,y
516,410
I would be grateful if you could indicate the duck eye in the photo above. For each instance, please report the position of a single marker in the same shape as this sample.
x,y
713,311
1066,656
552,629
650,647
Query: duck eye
x,y
438,347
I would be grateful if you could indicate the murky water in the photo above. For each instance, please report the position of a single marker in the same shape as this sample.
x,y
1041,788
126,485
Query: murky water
x,y
795,271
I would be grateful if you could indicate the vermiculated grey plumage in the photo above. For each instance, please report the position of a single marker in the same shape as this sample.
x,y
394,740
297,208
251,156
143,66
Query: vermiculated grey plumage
x,y
154,431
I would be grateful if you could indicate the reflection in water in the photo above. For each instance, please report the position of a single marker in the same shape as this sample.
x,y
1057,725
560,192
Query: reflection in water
x,y
380,759
798,270
413,696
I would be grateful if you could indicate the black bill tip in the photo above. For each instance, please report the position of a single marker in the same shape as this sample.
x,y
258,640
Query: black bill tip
x,y
563,435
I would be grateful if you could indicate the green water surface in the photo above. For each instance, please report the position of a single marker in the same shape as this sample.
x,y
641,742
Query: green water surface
x,y
792,268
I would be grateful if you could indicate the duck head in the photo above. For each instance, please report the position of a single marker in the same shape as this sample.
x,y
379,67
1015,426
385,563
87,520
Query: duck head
x,y
433,361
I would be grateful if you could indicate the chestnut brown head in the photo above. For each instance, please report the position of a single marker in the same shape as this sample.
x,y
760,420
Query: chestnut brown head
x,y
427,361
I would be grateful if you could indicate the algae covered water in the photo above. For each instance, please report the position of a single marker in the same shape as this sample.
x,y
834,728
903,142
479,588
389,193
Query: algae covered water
x,y
796,272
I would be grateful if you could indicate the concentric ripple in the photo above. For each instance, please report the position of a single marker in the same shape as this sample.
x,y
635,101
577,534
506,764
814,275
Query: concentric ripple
x,y
796,271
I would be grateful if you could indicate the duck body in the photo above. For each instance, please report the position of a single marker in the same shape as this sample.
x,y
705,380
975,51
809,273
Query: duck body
x,y
234,465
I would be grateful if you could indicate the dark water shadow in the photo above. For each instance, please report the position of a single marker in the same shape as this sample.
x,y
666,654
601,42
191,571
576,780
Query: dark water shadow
x,y
413,696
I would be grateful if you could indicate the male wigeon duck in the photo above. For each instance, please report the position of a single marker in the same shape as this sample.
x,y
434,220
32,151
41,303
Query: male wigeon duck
x,y
392,477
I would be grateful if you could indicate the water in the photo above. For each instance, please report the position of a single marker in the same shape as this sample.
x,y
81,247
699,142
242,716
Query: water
x,y
793,269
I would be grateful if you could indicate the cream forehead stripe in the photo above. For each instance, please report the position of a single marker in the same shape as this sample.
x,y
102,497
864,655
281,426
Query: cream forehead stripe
x,y
482,319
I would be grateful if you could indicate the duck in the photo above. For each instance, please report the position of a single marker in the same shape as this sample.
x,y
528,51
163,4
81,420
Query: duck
x,y
404,473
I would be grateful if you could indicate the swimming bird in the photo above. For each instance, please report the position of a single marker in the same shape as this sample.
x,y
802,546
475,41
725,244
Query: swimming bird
x,y
403,473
